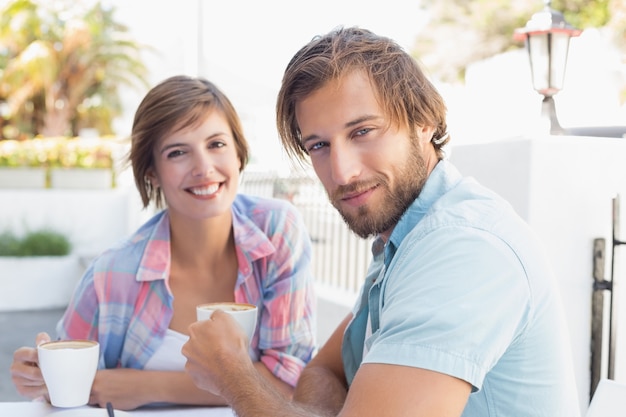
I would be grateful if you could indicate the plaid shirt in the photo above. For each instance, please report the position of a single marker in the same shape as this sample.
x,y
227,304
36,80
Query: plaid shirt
x,y
123,299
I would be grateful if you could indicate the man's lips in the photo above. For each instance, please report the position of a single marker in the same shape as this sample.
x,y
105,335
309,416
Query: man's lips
x,y
357,198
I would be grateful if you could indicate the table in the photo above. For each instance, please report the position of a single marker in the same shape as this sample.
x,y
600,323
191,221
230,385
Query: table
x,y
40,409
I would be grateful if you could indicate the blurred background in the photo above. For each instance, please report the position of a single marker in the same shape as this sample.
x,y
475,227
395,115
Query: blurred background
x,y
72,73
467,48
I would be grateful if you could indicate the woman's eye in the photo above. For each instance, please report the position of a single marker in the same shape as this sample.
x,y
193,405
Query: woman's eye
x,y
174,153
217,144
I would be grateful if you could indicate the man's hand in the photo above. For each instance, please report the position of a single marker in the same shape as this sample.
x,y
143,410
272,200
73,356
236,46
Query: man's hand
x,y
217,354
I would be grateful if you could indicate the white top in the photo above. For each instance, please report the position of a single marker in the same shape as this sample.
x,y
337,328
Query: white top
x,y
168,356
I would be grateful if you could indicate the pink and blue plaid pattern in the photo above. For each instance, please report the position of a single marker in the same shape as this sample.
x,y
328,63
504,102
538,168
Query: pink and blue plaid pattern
x,y
123,300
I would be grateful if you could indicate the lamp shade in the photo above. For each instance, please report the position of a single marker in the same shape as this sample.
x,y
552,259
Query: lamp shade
x,y
547,36
548,57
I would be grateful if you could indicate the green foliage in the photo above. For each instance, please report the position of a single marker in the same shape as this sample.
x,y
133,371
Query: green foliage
x,y
29,153
62,65
35,243
461,32
9,244
59,152
584,14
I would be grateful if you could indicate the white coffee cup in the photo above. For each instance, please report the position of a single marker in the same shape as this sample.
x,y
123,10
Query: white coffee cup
x,y
69,368
245,314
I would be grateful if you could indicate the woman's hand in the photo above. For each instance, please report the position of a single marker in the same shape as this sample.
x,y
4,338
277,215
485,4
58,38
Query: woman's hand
x,y
128,389
122,387
25,371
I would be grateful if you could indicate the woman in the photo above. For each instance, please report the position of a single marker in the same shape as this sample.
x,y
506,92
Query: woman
x,y
209,244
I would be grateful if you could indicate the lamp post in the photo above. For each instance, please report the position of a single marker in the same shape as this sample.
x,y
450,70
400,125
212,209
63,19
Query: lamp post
x,y
547,36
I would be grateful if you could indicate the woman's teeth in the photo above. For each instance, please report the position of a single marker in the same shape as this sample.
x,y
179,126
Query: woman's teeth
x,y
211,189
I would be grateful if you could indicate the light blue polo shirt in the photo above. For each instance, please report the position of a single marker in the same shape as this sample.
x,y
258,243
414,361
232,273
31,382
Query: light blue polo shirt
x,y
462,287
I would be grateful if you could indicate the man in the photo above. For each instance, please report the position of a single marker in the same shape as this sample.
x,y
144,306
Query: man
x,y
459,314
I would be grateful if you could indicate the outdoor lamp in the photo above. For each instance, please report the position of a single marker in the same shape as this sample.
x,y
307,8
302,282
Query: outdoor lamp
x,y
547,36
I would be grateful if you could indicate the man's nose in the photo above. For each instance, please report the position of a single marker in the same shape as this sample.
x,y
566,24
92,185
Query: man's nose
x,y
345,163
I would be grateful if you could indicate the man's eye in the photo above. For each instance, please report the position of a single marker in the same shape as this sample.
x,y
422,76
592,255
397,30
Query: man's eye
x,y
316,146
363,131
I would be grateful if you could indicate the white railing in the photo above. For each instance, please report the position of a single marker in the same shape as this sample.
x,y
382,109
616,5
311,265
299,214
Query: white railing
x,y
339,257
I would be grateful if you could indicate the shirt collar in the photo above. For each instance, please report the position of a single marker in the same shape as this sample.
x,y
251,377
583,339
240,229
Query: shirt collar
x,y
156,259
442,178
251,243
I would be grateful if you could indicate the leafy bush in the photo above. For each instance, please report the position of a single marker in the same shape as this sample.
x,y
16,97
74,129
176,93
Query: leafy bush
x,y
9,244
64,152
35,243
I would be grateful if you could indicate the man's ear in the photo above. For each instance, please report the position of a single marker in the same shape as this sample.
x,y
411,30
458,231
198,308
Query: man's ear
x,y
424,134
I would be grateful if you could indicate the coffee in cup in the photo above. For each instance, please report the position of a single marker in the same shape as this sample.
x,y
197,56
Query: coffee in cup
x,y
245,314
69,368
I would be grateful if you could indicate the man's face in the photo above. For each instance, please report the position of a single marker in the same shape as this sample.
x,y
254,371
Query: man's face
x,y
371,172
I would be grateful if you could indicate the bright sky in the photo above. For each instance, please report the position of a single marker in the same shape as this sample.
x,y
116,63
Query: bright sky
x,y
257,38
248,43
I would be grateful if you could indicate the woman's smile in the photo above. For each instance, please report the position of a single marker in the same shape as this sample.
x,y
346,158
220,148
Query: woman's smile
x,y
205,190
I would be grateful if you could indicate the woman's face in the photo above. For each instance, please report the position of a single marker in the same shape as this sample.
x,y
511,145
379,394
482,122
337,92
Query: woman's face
x,y
197,168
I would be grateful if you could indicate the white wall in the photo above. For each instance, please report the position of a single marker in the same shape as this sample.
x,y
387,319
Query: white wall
x,y
563,187
498,100
93,220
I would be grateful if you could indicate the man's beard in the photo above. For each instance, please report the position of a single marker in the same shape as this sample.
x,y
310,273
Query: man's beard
x,y
369,220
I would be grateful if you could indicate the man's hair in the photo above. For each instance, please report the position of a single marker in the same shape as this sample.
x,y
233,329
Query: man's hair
x,y
176,103
407,97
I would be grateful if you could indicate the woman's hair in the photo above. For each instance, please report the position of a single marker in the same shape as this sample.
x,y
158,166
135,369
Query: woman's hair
x,y
405,94
174,104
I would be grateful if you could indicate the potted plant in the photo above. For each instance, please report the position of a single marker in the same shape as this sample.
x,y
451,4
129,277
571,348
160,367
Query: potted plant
x,y
23,164
83,163
60,162
37,270
63,68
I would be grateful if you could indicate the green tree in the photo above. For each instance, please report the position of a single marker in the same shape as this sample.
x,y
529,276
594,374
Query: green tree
x,y
62,65
461,32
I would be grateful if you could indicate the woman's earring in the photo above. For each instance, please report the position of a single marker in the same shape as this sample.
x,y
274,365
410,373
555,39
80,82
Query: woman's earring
x,y
148,184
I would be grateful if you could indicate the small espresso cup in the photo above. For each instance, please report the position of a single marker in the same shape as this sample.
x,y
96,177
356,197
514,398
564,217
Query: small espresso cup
x,y
245,314
69,368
